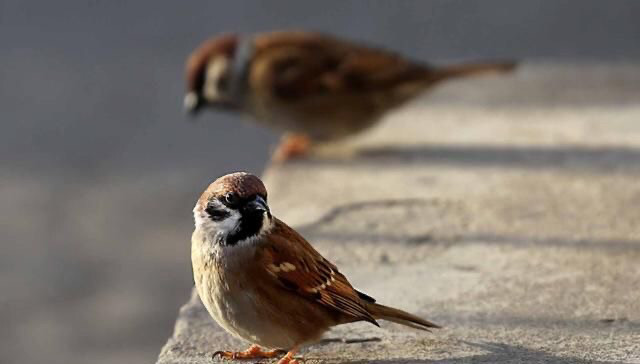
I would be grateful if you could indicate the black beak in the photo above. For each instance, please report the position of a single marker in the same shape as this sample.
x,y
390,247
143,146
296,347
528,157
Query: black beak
x,y
192,103
259,204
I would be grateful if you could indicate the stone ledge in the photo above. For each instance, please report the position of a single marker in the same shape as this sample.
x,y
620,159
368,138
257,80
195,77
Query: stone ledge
x,y
509,215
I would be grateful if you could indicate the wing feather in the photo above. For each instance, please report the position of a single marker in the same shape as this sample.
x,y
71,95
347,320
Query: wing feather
x,y
305,64
296,266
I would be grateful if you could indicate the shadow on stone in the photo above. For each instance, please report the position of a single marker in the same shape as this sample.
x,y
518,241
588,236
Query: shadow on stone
x,y
325,227
328,341
498,353
564,157
620,245
338,211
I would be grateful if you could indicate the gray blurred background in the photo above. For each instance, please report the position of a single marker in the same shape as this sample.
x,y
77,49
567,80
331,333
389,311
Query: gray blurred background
x,y
99,168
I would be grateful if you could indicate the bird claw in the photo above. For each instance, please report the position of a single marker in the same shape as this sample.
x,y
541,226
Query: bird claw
x,y
254,352
289,359
223,355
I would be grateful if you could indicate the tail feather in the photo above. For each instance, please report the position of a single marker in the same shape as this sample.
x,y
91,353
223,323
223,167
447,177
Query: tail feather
x,y
400,317
464,70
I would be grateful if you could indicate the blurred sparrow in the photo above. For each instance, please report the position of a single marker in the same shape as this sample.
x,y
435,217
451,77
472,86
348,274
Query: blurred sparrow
x,y
263,282
313,86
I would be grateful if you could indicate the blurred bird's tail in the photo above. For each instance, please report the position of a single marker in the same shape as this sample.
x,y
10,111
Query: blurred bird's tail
x,y
471,69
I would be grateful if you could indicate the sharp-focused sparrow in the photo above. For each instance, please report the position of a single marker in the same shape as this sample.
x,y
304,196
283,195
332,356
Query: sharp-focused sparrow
x,y
263,282
314,86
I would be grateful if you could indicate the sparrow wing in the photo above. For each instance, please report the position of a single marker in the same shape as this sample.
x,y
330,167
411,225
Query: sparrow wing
x,y
296,266
309,64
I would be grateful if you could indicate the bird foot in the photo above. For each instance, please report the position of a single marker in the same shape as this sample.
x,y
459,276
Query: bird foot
x,y
254,352
291,146
288,359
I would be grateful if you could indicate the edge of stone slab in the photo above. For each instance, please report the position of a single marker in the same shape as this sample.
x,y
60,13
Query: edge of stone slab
x,y
180,346
174,348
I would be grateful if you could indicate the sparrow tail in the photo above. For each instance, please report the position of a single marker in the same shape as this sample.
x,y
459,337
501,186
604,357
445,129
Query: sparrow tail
x,y
400,317
464,70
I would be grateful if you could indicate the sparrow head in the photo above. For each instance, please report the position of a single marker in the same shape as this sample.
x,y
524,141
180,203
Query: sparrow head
x,y
208,74
233,209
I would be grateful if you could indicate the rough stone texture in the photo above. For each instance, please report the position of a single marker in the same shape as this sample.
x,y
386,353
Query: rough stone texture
x,y
505,209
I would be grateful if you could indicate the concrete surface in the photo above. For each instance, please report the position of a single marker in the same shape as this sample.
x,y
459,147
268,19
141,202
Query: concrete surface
x,y
505,209
93,138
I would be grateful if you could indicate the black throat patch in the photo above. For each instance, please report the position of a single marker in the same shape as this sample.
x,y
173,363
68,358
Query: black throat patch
x,y
250,225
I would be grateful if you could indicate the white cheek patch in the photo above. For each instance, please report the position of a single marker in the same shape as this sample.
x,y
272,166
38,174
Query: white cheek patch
x,y
230,223
223,227
220,229
215,70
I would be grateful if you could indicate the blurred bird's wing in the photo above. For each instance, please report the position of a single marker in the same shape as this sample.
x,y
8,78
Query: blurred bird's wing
x,y
302,64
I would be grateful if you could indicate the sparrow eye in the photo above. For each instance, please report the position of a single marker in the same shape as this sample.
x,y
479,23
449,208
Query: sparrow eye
x,y
231,199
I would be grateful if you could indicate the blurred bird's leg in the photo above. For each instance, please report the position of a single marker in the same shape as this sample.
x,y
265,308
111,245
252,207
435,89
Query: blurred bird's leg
x,y
291,146
254,352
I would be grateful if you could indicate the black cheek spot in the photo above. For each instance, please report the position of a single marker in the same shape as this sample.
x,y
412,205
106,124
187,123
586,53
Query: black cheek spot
x,y
216,214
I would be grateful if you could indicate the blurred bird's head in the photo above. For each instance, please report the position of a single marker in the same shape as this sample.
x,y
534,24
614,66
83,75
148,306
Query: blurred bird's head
x,y
215,74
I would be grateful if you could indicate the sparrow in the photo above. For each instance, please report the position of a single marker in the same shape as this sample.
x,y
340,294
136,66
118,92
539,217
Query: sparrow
x,y
263,282
312,86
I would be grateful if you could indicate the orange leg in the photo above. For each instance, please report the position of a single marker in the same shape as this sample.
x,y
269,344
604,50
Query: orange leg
x,y
291,146
289,359
254,352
